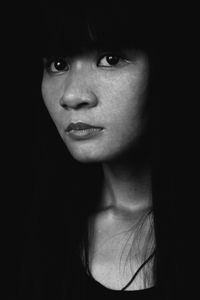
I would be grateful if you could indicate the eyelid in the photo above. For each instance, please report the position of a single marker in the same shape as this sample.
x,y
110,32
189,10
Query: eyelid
x,y
47,61
120,55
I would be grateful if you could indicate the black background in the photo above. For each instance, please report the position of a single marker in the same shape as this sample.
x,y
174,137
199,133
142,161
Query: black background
x,y
21,73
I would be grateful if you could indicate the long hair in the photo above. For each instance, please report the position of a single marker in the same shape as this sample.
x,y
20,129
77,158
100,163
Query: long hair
x,y
67,192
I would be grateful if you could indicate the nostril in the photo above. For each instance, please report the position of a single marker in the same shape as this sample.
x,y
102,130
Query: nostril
x,y
76,105
64,105
83,105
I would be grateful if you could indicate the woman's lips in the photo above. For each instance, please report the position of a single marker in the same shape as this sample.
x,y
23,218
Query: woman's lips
x,y
80,126
82,131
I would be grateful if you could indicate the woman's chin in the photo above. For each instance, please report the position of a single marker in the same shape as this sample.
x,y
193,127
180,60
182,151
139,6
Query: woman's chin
x,y
91,155
86,156
94,152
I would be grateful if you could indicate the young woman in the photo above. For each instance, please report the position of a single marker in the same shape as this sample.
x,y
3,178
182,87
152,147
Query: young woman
x,y
103,230
97,101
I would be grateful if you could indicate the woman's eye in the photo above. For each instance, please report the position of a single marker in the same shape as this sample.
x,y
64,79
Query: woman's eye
x,y
109,60
57,66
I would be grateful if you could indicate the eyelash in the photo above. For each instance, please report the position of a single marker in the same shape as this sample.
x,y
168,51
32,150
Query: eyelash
x,y
120,58
48,62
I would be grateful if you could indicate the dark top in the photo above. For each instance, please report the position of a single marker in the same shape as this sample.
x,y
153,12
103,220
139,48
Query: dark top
x,y
92,289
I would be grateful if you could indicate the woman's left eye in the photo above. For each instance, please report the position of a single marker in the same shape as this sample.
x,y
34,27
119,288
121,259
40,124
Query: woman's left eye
x,y
110,60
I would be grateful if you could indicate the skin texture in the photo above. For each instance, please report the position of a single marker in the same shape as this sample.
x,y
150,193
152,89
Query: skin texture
x,y
94,92
91,90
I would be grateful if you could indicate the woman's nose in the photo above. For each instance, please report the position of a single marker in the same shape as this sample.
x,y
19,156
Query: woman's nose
x,y
78,92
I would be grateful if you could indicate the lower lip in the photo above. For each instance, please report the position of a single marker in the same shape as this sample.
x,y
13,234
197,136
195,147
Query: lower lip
x,y
85,134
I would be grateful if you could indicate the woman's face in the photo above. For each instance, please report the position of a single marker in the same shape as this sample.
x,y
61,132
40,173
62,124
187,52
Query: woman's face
x,y
103,90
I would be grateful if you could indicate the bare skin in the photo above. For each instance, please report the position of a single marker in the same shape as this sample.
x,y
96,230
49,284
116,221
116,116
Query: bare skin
x,y
107,91
125,200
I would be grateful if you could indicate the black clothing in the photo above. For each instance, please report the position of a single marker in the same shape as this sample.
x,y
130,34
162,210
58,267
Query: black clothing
x,y
89,288
95,289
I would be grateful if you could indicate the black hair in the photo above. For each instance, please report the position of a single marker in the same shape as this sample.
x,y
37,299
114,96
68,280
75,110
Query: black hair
x,y
66,29
69,27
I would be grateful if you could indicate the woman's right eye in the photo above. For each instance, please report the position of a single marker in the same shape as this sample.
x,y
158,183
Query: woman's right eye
x,y
56,66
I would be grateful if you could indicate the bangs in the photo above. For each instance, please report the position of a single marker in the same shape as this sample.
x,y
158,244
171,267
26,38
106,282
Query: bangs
x,y
67,30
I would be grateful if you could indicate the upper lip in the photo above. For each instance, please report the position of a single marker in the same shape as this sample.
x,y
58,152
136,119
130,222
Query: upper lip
x,y
80,126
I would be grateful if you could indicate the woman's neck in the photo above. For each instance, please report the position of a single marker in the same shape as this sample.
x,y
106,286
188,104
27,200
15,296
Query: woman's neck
x,y
121,232
125,191
122,236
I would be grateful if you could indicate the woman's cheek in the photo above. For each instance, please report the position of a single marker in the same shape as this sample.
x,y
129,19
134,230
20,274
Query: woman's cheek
x,y
51,95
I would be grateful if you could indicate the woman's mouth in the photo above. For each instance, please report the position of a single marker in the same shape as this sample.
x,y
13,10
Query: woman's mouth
x,y
82,131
